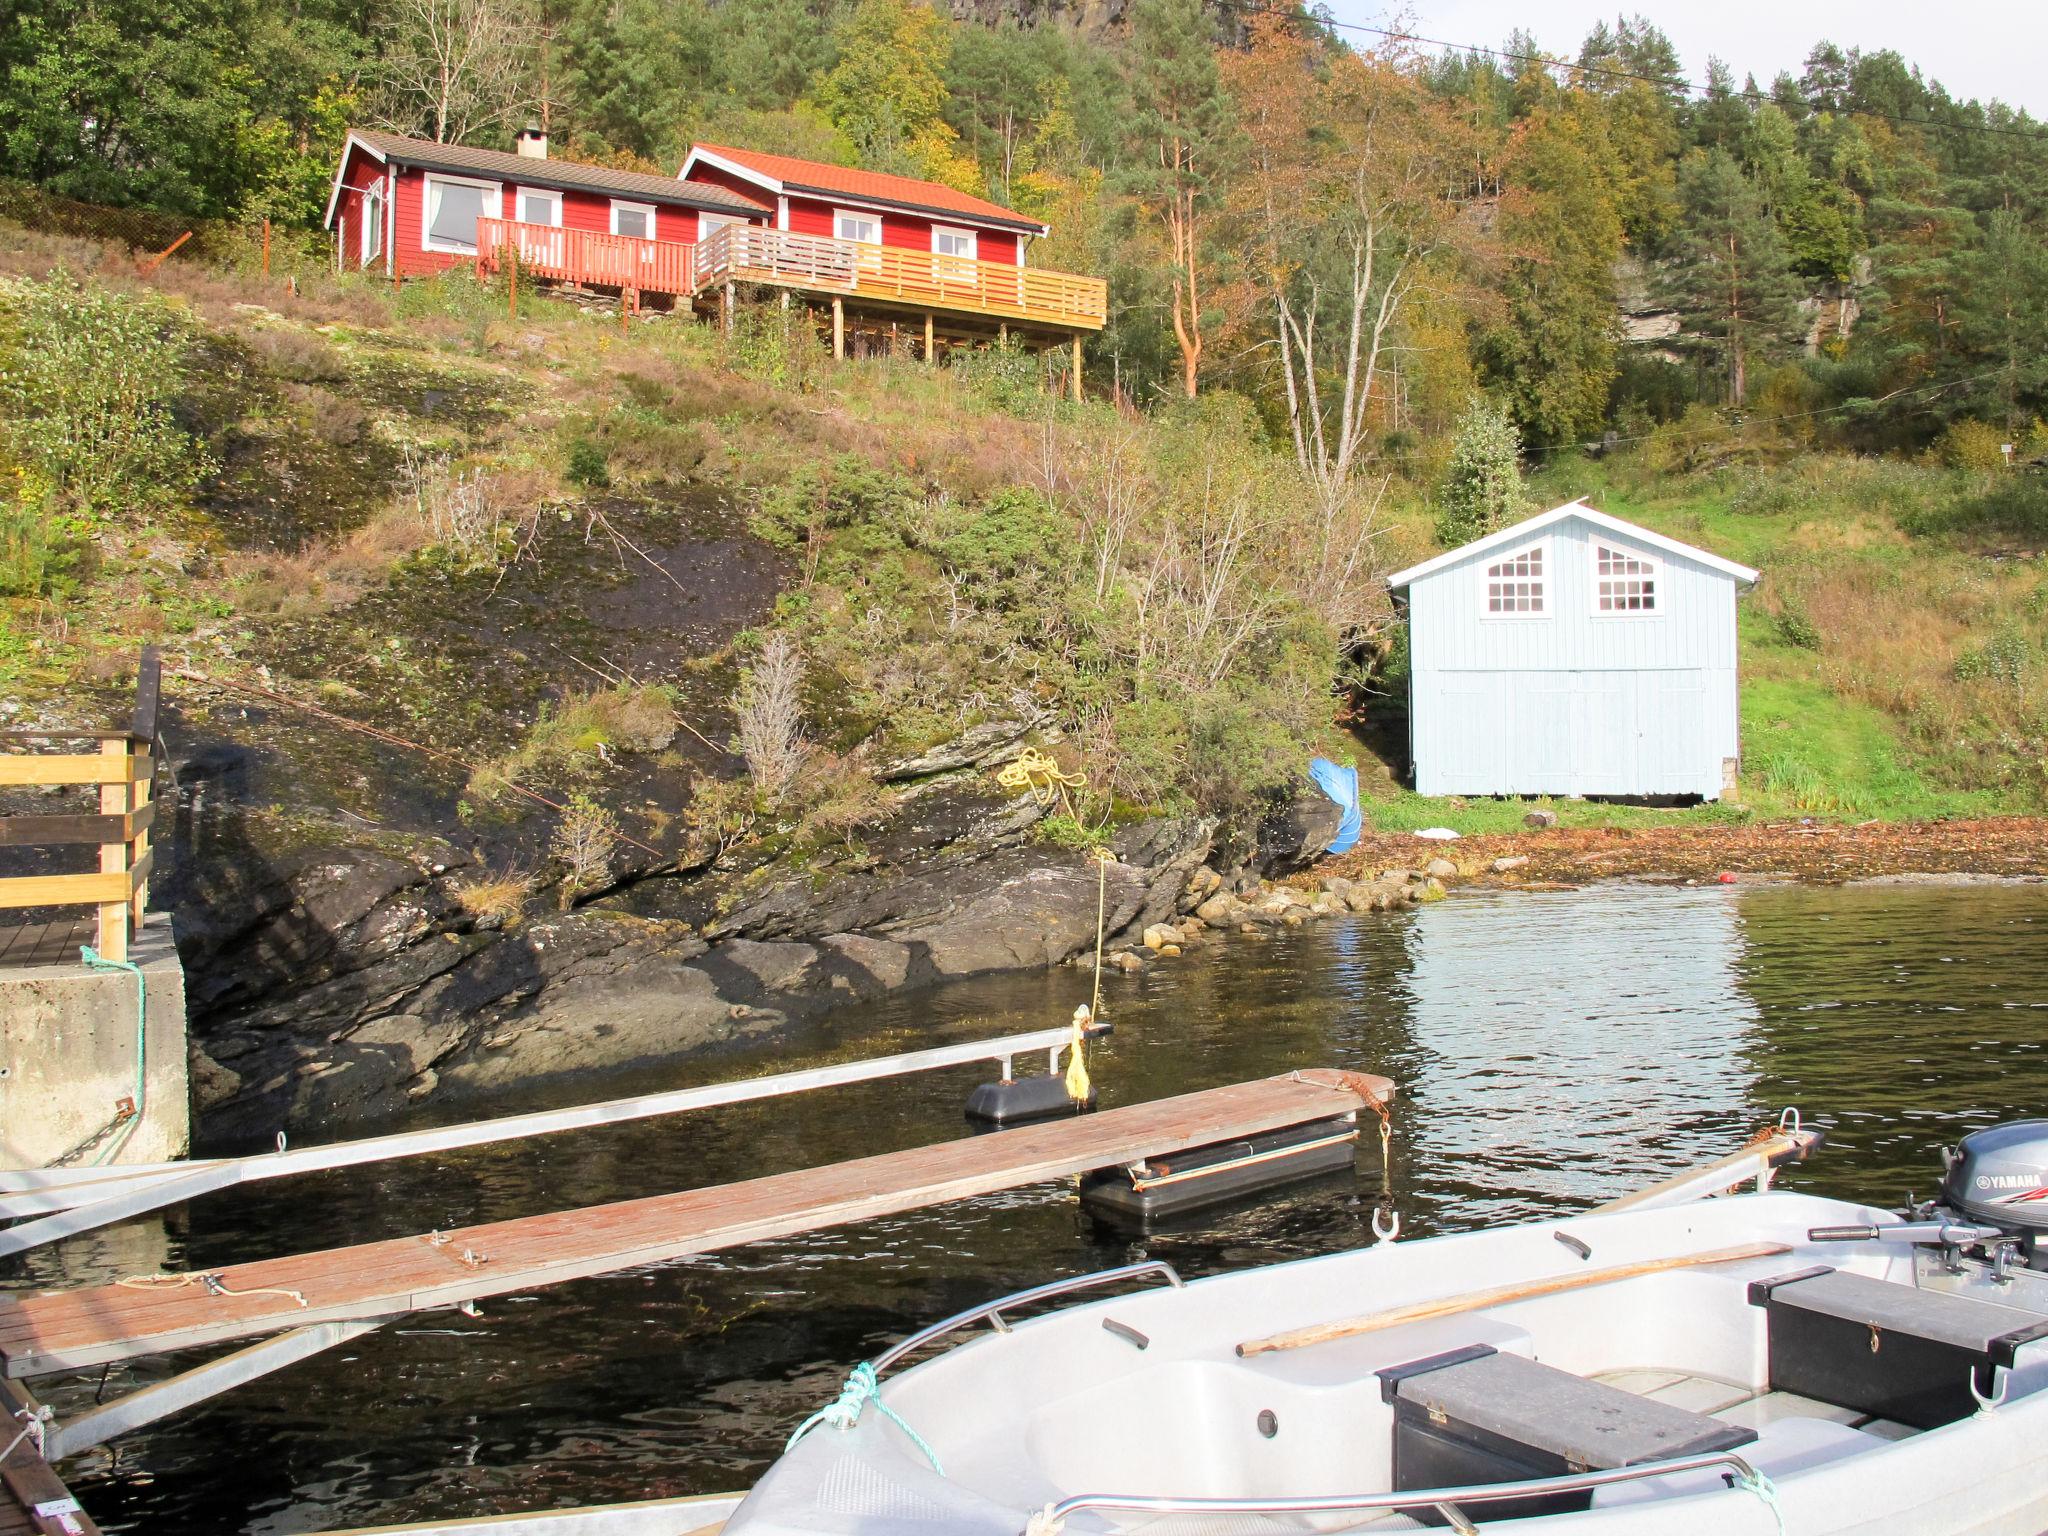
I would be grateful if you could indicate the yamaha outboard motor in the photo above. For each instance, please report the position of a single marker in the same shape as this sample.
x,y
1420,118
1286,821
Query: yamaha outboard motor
x,y
1990,1223
2000,1176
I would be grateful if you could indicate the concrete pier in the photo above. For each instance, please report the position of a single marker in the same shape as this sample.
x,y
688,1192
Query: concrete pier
x,y
68,1058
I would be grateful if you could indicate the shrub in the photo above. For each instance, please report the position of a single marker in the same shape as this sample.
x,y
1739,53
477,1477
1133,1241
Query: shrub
x,y
1006,377
588,466
1797,629
770,717
778,344
498,898
1975,445
1482,485
40,547
88,384
585,840
2007,657
569,739
720,813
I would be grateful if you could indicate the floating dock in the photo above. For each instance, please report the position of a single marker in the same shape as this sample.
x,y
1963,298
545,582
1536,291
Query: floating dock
x,y
374,1282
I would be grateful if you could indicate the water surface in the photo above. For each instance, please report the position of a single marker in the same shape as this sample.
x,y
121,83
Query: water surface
x,y
1552,1049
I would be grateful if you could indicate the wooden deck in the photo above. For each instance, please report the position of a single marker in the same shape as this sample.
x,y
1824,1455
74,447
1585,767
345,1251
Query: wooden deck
x,y
915,280
53,940
72,1329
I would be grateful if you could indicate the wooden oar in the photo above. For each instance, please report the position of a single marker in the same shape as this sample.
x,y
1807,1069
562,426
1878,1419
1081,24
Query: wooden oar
x,y
1473,1301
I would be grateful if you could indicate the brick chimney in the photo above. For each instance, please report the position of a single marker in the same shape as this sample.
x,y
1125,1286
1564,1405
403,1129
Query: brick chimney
x,y
532,142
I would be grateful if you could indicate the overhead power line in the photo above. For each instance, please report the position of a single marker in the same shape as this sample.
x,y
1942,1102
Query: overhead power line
x,y
1914,392
1611,72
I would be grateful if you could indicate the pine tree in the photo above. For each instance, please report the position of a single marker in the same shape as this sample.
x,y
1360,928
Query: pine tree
x,y
1180,145
1729,277
1553,349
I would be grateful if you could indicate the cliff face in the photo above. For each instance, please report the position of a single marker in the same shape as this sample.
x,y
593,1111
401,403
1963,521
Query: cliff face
x,y
1091,17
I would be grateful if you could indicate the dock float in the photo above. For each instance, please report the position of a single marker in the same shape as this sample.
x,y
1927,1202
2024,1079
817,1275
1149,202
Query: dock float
x,y
315,1299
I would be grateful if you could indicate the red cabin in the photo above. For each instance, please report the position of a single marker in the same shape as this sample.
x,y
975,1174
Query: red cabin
x,y
895,261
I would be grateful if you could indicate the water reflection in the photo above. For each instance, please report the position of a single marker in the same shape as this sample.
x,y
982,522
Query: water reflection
x,y
1553,1049
1574,1045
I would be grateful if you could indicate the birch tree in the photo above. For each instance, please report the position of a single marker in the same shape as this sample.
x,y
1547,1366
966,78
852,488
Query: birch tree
x,y
1356,180
457,69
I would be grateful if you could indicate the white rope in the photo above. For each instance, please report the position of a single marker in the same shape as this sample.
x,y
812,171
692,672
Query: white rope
x,y
35,1419
1045,1523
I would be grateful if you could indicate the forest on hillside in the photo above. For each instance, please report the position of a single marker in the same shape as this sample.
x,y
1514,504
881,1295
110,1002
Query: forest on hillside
x,y
1350,231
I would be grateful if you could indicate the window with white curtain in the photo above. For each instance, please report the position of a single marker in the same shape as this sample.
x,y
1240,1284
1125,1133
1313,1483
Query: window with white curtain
x,y
453,207
635,220
865,228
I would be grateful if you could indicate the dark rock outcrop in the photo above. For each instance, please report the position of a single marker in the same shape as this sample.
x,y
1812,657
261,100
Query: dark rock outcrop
x,y
351,982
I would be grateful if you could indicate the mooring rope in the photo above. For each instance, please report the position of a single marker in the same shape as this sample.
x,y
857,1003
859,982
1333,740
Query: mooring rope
x,y
94,960
1760,1484
215,1286
862,1387
35,1422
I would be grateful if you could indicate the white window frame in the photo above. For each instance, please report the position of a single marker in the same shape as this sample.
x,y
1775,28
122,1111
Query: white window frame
x,y
973,251
367,248
841,214
494,206
653,220
1655,576
1539,547
709,223
547,194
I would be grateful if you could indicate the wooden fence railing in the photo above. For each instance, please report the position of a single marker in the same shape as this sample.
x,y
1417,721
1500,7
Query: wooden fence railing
x,y
584,256
747,253
124,769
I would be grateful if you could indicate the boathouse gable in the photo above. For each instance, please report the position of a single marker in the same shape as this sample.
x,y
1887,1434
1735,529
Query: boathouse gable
x,y
1573,653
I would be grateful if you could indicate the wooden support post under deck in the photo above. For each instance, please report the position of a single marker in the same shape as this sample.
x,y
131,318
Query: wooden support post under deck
x,y
116,799
725,308
1077,367
838,327
931,352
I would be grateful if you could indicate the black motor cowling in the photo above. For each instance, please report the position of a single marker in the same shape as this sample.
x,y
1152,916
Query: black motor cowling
x,y
2000,1176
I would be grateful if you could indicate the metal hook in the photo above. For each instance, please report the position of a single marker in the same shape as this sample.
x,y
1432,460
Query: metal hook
x,y
2001,1381
1788,1119
1389,1230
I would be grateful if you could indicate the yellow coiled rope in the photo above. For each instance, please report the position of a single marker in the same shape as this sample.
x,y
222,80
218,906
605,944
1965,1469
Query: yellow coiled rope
x,y
1048,783
1078,1085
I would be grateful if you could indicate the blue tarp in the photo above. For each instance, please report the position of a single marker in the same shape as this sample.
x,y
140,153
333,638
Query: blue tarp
x,y
1341,785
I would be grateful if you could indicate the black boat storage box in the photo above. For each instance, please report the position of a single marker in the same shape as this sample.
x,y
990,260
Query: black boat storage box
x,y
1478,1416
1890,1350
1203,1176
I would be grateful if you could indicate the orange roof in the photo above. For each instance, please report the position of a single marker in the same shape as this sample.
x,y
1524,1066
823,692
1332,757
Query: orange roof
x,y
871,186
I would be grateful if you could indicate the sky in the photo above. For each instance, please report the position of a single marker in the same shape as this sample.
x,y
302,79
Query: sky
x,y
1980,48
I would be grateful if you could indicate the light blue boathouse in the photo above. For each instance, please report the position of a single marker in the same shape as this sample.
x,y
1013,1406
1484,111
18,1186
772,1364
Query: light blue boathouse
x,y
1573,654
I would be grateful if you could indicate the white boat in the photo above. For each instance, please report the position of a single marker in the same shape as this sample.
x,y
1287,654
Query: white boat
x,y
1674,1364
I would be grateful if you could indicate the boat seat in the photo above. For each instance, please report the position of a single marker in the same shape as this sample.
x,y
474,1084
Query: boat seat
x,y
1889,1350
1476,1415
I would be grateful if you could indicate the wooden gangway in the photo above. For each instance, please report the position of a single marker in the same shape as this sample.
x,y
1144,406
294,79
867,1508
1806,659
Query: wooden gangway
x,y
319,1297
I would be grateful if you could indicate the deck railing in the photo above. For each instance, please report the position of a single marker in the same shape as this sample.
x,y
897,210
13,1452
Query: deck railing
x,y
748,253
583,256
123,769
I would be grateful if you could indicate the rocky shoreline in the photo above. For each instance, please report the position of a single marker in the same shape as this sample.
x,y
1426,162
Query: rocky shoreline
x,y
339,978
